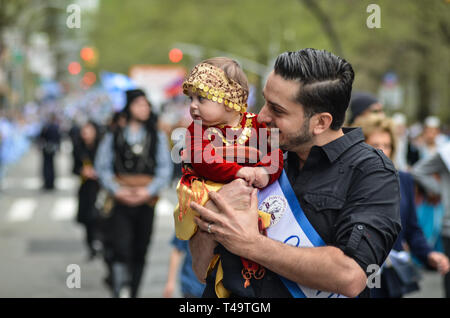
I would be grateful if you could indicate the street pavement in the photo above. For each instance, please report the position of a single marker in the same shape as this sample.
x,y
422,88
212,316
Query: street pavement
x,y
40,240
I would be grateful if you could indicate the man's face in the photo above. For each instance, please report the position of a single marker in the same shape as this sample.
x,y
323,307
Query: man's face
x,y
283,112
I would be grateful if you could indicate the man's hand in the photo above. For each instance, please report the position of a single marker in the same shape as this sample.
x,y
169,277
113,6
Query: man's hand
x,y
233,229
236,193
202,247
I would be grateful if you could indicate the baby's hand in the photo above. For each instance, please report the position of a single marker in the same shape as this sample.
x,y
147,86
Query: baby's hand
x,y
262,177
248,174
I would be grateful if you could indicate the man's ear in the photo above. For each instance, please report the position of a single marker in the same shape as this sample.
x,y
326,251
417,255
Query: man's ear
x,y
321,122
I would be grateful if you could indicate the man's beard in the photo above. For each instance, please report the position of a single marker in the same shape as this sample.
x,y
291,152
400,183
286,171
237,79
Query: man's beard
x,y
302,137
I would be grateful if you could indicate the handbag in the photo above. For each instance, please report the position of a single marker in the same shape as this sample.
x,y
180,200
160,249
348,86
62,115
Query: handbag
x,y
400,275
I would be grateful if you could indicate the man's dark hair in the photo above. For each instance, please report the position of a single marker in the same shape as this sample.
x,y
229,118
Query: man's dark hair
x,y
325,81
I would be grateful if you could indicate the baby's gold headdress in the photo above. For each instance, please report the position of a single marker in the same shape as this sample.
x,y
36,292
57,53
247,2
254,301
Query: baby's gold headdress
x,y
210,82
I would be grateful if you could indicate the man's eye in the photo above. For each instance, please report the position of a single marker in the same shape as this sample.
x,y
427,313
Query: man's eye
x,y
276,110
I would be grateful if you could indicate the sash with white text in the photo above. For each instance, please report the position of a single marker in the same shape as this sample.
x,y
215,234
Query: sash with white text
x,y
290,226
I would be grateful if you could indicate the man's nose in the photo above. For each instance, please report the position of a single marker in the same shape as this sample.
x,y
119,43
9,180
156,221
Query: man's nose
x,y
263,116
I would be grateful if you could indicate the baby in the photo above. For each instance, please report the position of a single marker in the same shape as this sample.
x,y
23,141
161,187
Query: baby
x,y
218,92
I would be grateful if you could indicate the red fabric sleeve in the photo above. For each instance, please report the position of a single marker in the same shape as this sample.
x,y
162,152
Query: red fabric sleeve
x,y
216,168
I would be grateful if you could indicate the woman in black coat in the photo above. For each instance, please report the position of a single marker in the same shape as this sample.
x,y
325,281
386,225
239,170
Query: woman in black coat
x,y
85,149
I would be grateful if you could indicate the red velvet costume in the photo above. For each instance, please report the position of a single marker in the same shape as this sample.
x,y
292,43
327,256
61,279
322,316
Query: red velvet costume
x,y
206,162
213,166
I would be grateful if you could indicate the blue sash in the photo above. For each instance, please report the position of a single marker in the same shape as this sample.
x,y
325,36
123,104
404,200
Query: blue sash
x,y
290,226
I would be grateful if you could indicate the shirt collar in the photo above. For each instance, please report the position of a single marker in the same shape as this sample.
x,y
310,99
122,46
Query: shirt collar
x,y
330,151
337,147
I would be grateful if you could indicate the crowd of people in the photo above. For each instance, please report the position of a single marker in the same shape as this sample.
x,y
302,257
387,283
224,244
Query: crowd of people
x,y
17,130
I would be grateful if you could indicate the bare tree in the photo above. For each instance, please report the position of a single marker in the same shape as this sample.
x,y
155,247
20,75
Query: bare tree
x,y
326,24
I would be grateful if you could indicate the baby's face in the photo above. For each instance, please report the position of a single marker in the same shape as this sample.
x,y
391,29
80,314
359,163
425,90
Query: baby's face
x,y
209,112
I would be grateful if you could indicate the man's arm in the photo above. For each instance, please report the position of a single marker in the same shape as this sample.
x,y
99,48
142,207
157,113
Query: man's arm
x,y
202,246
323,268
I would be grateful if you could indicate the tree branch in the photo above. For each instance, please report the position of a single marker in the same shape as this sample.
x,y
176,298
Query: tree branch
x,y
326,24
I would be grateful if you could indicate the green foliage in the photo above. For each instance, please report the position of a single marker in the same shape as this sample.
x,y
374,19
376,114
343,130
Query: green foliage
x,y
413,41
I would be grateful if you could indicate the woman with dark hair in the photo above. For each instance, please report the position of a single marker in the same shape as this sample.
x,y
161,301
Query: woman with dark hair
x,y
134,165
379,133
85,149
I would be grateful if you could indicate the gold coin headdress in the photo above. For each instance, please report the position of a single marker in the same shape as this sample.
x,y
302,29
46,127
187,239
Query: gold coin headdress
x,y
210,82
